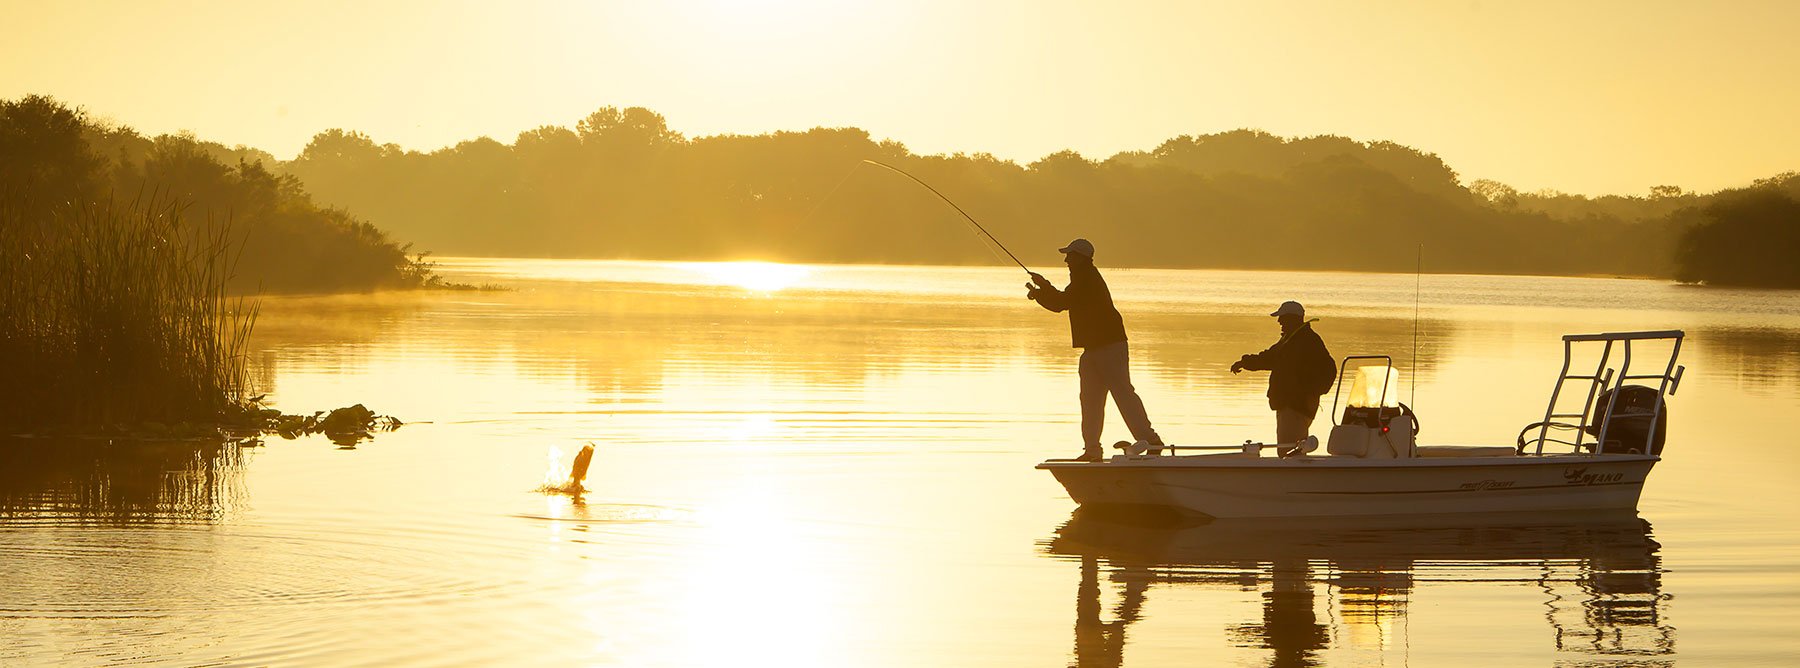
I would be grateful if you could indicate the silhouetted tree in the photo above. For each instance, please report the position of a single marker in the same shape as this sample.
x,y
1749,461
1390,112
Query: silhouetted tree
x,y
1745,238
52,157
44,161
1495,194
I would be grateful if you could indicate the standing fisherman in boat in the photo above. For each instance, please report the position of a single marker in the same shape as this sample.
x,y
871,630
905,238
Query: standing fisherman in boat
x,y
1300,370
1097,329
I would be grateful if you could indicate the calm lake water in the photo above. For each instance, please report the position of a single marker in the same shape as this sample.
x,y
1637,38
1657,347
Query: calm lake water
x,y
832,466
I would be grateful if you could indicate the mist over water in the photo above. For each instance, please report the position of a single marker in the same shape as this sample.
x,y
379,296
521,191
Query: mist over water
x,y
831,465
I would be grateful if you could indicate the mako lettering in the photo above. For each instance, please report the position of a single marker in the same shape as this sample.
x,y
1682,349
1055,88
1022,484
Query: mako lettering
x,y
1580,476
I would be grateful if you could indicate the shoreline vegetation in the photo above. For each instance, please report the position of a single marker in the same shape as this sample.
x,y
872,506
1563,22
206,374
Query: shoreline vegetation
x,y
118,314
621,184
131,317
120,323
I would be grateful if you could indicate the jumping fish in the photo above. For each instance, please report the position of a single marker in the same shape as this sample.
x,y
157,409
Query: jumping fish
x,y
578,472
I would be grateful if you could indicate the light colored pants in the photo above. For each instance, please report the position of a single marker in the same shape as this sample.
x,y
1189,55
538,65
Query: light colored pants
x,y
1292,425
1107,369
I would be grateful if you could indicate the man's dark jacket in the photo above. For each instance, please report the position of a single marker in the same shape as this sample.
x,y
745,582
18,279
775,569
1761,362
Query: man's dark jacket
x,y
1093,321
1300,369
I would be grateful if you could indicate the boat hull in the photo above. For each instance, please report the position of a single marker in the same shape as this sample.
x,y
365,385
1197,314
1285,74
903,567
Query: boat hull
x,y
1238,486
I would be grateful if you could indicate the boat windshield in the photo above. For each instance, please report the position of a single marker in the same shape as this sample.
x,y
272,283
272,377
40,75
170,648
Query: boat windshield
x,y
1373,385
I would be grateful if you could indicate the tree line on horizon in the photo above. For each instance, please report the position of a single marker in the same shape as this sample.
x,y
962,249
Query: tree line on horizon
x,y
622,184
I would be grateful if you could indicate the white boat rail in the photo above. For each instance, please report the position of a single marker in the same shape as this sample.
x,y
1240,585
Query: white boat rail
x,y
1604,383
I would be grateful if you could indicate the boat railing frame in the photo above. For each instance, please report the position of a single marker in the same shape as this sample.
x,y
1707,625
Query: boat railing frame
x,y
1604,380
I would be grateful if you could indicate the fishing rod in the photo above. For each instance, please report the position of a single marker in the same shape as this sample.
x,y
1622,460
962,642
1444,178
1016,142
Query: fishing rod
x,y
959,209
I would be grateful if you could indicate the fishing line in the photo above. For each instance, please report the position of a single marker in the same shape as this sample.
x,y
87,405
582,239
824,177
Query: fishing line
x,y
829,195
953,205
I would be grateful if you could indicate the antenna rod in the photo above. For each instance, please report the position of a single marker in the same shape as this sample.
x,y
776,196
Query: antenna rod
x,y
1418,276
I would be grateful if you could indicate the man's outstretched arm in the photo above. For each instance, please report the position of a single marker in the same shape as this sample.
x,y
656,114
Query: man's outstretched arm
x,y
1263,361
1042,291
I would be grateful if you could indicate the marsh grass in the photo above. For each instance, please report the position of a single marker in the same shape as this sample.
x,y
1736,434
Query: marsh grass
x,y
117,314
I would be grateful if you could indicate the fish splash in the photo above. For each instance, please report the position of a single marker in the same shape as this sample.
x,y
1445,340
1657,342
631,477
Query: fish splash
x,y
571,485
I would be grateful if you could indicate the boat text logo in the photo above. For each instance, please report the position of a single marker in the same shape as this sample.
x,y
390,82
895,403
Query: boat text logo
x,y
1485,484
1580,476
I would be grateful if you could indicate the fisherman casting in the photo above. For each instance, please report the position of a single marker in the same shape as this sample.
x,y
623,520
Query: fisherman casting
x,y
1300,370
1097,329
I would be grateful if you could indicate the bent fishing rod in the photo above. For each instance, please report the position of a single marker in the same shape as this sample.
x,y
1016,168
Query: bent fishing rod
x,y
959,209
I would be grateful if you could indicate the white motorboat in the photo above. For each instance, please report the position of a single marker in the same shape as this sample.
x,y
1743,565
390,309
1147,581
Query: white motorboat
x,y
1373,464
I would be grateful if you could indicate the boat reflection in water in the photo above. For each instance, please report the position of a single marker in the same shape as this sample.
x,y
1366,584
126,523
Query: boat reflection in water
x,y
1342,587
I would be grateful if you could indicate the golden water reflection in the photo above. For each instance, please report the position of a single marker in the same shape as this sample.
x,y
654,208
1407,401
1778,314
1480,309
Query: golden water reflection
x,y
1337,588
838,472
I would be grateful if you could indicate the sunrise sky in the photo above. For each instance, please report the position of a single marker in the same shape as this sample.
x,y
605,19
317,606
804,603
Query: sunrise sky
x,y
1584,97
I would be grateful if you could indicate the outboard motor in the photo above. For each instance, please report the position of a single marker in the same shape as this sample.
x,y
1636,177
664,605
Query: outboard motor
x,y
1628,424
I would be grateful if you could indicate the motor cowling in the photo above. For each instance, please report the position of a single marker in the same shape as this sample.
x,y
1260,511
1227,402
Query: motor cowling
x,y
1628,420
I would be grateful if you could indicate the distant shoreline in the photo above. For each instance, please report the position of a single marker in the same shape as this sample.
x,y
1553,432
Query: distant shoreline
x,y
448,262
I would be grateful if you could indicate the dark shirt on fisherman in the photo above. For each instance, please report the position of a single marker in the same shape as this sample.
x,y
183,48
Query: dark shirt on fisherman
x,y
1300,369
1093,321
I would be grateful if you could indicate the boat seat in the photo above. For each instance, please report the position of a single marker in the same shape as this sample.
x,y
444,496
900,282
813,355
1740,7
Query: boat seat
x,y
1355,440
1467,451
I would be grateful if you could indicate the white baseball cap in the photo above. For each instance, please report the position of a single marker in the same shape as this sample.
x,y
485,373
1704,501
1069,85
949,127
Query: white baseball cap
x,y
1290,308
1081,246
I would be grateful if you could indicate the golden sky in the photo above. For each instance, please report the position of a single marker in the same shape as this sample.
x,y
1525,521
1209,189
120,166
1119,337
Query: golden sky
x,y
1585,97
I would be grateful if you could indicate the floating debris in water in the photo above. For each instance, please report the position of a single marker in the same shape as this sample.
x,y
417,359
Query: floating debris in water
x,y
345,426
244,424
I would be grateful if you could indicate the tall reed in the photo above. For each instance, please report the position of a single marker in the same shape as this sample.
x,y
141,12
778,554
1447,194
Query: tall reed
x,y
117,314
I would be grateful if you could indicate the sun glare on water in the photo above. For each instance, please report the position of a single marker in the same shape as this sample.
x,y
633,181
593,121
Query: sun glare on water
x,y
752,276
